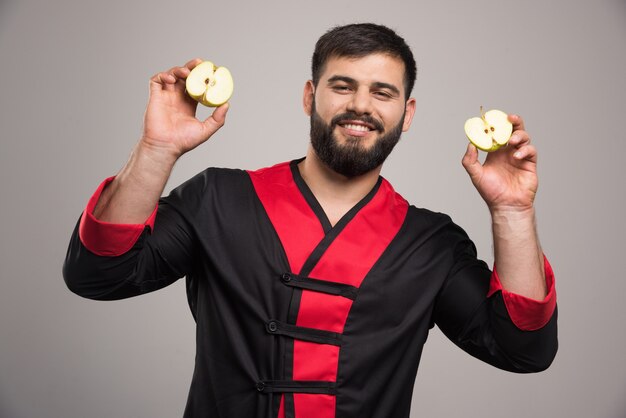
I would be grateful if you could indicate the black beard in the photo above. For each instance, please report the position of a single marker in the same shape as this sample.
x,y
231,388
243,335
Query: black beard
x,y
351,159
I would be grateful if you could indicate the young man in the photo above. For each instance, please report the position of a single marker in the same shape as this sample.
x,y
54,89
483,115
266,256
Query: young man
x,y
313,283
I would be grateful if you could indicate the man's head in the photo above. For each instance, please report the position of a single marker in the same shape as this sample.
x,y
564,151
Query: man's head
x,y
358,99
361,39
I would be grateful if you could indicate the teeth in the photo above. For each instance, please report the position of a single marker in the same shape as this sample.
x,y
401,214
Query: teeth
x,y
362,128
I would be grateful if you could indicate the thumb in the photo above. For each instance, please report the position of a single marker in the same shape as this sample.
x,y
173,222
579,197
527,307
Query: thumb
x,y
216,120
471,164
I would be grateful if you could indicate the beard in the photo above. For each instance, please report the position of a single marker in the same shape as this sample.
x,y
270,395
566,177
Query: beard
x,y
352,158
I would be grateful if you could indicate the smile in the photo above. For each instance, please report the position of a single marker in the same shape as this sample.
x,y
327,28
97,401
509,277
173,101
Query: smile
x,y
353,127
356,127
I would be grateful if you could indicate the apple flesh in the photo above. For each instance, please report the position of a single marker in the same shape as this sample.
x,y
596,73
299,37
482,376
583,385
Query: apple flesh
x,y
210,85
490,131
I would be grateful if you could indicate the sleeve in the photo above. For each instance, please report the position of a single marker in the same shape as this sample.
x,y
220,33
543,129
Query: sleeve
x,y
105,238
526,313
107,261
506,330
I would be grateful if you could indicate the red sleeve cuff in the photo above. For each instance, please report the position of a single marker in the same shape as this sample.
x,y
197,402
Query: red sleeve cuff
x,y
527,314
105,238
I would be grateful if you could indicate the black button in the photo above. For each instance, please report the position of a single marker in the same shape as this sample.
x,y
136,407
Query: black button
x,y
272,326
260,386
286,277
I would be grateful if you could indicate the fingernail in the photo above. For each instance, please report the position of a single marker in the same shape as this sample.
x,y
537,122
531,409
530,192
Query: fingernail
x,y
518,154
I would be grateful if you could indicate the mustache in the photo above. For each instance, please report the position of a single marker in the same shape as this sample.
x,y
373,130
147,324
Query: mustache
x,y
353,116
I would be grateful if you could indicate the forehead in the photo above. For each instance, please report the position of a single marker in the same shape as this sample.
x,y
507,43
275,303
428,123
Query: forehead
x,y
370,68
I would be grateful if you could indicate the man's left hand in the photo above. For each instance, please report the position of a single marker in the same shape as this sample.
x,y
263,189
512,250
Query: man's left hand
x,y
507,180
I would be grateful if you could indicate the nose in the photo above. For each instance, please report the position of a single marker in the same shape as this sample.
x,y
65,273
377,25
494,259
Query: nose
x,y
360,102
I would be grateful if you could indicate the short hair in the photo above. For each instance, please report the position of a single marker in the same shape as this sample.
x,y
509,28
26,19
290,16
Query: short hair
x,y
358,40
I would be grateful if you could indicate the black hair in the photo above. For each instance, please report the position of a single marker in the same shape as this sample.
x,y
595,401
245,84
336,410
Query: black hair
x,y
361,39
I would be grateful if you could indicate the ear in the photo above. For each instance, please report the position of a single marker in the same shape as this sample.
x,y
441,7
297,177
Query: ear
x,y
307,97
409,111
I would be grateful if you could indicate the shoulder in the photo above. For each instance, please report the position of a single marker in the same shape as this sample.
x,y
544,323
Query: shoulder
x,y
419,218
211,179
276,175
211,184
418,214
435,228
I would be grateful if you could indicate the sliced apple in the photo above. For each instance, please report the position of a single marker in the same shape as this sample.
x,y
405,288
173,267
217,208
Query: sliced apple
x,y
490,131
210,85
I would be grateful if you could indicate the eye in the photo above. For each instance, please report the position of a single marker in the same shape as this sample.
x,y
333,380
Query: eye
x,y
383,94
340,88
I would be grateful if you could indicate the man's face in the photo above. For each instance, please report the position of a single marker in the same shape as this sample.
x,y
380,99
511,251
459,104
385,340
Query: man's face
x,y
358,112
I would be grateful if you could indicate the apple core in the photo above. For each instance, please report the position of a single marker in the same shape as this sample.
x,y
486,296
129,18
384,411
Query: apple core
x,y
490,131
209,84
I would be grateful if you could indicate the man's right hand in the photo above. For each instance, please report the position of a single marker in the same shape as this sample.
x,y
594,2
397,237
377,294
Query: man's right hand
x,y
170,124
170,129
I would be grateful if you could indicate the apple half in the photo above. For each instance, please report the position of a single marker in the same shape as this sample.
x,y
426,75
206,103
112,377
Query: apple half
x,y
490,131
210,85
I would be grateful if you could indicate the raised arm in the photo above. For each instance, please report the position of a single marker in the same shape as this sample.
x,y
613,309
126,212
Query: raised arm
x,y
507,181
121,247
506,317
170,130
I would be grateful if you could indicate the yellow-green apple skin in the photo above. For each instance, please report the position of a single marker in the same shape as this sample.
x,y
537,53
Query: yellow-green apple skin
x,y
490,131
210,85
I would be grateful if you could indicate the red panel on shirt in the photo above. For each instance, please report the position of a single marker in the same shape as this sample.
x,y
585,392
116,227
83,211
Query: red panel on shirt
x,y
314,406
347,260
527,314
351,256
295,222
311,361
297,227
105,238
281,407
323,311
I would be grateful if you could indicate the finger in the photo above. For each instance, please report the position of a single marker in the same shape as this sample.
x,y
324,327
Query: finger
x,y
164,77
471,164
517,121
527,152
160,80
216,120
194,62
169,79
519,138
180,73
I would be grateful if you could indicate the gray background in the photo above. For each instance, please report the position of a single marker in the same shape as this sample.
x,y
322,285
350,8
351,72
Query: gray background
x,y
73,87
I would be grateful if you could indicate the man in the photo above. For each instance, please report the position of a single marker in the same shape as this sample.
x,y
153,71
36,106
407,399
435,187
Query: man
x,y
313,283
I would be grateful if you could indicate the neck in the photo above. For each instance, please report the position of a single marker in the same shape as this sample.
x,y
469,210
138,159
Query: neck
x,y
335,192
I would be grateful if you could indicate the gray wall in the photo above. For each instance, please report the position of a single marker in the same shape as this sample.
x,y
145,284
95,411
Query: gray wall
x,y
73,87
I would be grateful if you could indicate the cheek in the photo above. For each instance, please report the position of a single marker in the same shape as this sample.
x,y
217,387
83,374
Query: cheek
x,y
336,105
330,109
391,117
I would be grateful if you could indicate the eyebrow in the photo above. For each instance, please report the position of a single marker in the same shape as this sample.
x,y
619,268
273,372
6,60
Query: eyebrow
x,y
376,84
